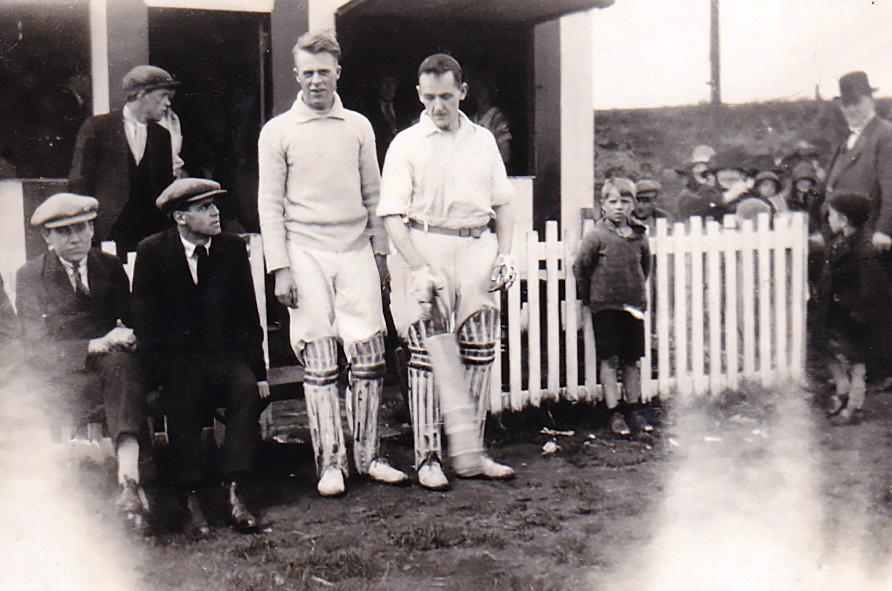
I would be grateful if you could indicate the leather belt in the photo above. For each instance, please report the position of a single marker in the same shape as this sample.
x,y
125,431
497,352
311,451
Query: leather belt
x,y
475,232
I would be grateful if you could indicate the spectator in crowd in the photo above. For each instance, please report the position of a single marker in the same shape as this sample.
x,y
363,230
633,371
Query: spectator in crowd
x,y
854,295
769,187
491,117
74,312
611,268
123,158
862,163
646,210
734,180
319,186
803,194
700,196
200,339
381,112
444,183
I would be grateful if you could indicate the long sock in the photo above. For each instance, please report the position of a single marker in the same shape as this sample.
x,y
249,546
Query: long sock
x,y
128,458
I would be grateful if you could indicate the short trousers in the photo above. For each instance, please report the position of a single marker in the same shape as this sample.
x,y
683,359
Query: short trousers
x,y
618,334
338,295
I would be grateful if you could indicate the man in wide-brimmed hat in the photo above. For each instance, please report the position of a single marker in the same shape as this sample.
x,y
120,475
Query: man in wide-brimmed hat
x,y
124,159
862,162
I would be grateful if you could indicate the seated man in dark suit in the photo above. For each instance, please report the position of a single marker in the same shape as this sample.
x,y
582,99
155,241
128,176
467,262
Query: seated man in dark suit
x,y
200,338
73,308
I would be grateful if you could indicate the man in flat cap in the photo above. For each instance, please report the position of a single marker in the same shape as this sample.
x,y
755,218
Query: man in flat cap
x,y
647,192
74,309
200,338
319,183
862,162
124,159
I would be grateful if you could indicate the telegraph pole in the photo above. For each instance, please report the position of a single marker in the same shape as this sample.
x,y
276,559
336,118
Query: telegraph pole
x,y
715,81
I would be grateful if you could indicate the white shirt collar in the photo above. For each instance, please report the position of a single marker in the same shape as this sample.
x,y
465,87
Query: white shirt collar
x,y
429,127
191,246
303,113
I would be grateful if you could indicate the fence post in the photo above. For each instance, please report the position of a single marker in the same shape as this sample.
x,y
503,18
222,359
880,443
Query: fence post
x,y
799,295
552,311
714,297
571,311
588,337
515,374
662,244
534,339
680,330
748,291
781,299
764,241
731,241
697,316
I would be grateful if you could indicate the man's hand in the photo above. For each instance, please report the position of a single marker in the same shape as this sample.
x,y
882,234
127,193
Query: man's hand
x,y
98,346
881,241
383,271
286,291
120,338
504,272
263,388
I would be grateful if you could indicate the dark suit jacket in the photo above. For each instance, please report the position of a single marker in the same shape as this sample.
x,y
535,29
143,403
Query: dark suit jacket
x,y
174,318
101,165
55,327
384,130
867,168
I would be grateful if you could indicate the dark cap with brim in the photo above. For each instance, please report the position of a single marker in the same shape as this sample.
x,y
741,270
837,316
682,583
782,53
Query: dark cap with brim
x,y
182,192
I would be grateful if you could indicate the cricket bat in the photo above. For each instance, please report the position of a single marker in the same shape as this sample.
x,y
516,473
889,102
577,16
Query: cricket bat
x,y
458,416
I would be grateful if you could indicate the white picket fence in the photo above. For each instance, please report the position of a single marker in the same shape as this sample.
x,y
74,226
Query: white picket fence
x,y
729,305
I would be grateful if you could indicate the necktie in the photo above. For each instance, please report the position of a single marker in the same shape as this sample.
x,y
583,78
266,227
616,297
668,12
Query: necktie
x,y
80,288
201,255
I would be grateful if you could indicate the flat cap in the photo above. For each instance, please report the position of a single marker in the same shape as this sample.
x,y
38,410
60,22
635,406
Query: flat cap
x,y
64,209
187,190
147,78
647,186
620,183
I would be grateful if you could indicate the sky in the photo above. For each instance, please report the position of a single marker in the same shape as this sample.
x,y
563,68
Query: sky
x,y
650,53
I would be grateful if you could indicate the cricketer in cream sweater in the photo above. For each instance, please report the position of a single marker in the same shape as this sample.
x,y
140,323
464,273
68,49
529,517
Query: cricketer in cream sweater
x,y
319,185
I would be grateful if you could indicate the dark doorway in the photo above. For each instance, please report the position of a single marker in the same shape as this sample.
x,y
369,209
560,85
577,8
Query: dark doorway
x,y
44,85
222,60
496,51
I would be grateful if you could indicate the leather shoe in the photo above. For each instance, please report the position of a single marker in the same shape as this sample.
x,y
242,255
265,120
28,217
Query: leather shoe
x,y
381,471
493,470
331,484
196,526
242,519
134,506
431,476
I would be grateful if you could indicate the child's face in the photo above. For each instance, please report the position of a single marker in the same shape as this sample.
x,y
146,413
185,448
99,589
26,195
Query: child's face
x,y
803,185
702,174
728,177
767,188
836,220
644,206
617,207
